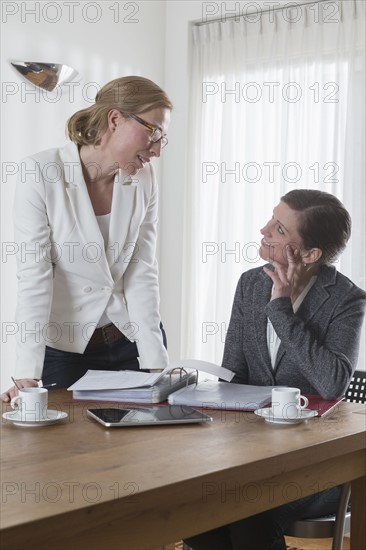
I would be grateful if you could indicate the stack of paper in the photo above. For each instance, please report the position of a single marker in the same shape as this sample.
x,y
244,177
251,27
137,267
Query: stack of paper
x,y
221,395
146,394
142,387
129,386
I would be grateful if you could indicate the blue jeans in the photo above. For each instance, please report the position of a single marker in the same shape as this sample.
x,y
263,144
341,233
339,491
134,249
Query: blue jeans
x,y
63,368
265,531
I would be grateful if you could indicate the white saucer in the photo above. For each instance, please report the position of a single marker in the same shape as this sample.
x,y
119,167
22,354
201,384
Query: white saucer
x,y
269,416
51,417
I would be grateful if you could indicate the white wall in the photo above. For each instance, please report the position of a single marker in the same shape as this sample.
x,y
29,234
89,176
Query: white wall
x,y
131,42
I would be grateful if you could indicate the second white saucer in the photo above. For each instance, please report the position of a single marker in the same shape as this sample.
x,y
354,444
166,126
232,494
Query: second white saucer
x,y
270,416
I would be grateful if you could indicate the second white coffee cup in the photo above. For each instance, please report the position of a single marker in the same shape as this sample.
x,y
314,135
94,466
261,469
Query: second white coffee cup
x,y
288,402
31,404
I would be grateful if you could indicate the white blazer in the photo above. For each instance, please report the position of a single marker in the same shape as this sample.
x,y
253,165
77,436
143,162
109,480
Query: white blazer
x,y
66,277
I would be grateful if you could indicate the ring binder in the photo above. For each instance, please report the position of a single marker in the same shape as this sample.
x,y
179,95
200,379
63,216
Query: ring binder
x,y
181,370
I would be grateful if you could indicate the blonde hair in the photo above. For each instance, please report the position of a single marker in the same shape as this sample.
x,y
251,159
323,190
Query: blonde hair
x,y
129,94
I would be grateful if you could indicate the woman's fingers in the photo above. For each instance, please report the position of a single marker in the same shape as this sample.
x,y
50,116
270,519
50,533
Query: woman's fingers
x,y
9,394
281,285
13,391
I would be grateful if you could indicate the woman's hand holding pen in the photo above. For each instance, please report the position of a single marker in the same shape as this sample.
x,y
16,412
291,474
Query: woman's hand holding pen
x,y
288,280
21,383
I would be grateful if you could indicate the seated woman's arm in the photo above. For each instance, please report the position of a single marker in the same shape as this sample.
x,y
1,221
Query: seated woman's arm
x,y
324,353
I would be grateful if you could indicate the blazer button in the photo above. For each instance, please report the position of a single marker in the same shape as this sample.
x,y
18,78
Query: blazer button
x,y
87,289
77,308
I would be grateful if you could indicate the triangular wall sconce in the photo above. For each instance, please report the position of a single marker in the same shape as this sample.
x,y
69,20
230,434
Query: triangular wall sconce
x,y
44,75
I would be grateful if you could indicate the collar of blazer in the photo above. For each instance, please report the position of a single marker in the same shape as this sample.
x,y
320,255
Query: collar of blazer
x,y
72,170
327,277
316,298
319,293
124,208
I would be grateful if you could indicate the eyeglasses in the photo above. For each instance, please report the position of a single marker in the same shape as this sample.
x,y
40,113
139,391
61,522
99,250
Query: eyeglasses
x,y
156,133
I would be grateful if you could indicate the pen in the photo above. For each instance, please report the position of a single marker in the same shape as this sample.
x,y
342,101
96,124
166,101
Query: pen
x,y
20,388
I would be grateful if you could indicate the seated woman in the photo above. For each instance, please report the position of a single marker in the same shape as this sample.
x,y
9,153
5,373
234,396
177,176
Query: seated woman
x,y
295,322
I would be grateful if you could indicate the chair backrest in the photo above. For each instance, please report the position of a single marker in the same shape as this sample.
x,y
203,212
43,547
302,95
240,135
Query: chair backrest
x,y
356,392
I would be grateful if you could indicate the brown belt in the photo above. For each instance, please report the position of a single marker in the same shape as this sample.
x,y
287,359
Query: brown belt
x,y
106,335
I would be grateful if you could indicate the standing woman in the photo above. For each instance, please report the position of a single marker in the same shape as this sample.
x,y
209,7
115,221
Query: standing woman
x,y
85,224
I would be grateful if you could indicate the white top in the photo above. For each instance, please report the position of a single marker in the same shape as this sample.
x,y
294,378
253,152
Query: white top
x,y
103,222
273,341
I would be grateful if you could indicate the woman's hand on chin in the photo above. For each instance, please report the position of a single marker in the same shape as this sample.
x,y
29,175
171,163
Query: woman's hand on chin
x,y
288,280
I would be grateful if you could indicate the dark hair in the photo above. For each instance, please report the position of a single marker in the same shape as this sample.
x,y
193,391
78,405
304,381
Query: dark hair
x,y
129,94
324,222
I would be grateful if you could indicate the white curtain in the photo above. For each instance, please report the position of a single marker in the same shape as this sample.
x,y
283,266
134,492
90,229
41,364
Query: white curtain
x,y
277,102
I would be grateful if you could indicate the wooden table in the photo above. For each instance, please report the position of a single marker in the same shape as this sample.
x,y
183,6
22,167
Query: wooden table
x,y
77,485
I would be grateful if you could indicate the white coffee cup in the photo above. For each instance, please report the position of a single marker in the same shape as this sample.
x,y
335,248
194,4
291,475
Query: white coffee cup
x,y
287,402
31,404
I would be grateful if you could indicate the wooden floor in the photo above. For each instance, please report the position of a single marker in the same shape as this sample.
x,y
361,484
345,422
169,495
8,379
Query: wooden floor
x,y
292,544
314,544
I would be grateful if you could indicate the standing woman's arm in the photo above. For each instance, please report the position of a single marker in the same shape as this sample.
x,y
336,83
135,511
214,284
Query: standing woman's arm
x,y
34,270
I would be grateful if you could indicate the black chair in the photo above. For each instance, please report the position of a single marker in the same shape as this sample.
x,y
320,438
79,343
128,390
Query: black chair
x,y
337,525
356,392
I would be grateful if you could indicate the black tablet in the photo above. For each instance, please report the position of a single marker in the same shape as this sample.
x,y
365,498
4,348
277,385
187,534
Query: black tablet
x,y
147,416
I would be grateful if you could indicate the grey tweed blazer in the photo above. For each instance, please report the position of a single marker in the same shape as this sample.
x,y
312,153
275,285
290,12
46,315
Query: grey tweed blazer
x,y
319,344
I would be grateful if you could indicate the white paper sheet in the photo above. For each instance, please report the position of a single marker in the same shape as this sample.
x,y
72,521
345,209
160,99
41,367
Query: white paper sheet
x,y
116,380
